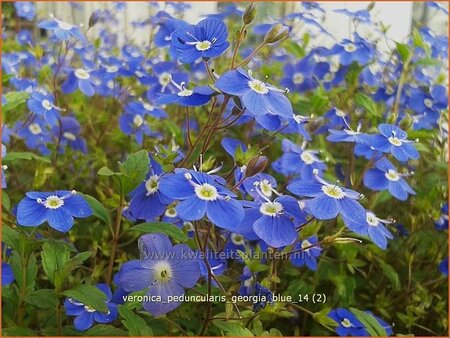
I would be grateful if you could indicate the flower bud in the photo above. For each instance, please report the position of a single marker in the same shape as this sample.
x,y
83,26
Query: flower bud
x,y
256,165
249,14
276,33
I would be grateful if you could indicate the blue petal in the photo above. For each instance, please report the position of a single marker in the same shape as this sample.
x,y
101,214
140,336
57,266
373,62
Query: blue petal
x,y
375,180
86,87
279,104
133,277
84,321
307,189
276,231
226,214
191,209
77,206
59,219
31,213
255,103
323,207
176,186
73,309
351,209
152,244
233,82
107,317
165,290
185,266
396,190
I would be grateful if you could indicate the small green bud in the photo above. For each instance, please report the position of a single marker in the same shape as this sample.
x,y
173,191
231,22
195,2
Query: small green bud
x,y
276,33
249,14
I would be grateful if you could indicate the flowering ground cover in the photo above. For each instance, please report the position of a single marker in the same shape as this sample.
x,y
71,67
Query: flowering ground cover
x,y
232,176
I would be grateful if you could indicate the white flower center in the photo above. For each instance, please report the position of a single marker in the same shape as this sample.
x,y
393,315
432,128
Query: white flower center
x,y
89,308
64,25
258,86
371,219
35,128
53,202
392,175
164,79
271,208
266,188
138,120
47,105
307,157
306,245
427,102
148,106
328,77
350,47
185,92
171,212
69,136
162,272
237,239
82,74
152,185
346,323
189,226
206,192
333,191
298,78
112,69
203,45
395,141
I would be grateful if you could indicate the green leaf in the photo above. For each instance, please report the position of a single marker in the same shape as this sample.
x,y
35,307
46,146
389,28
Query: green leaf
x,y
232,329
23,155
6,201
18,332
135,325
13,100
134,170
10,237
428,62
163,228
105,171
370,323
74,263
43,299
367,103
390,273
98,209
55,255
103,330
88,295
403,51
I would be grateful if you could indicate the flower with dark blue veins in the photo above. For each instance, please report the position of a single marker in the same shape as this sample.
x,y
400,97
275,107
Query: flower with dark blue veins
x,y
328,200
68,134
57,208
443,266
306,253
81,79
274,221
164,79
44,105
86,316
386,177
350,51
25,9
200,194
35,133
372,226
7,274
348,324
62,30
258,97
205,40
24,37
133,122
147,201
393,140
163,270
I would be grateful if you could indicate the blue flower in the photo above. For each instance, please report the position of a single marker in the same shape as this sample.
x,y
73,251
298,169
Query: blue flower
x,y
85,316
62,30
308,255
385,177
35,133
68,133
25,9
79,78
328,200
371,226
163,270
273,221
186,97
265,296
443,266
164,79
350,51
147,201
7,274
202,194
133,122
442,222
348,324
205,40
394,140
57,208
217,264
43,105
258,97
24,37
247,285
